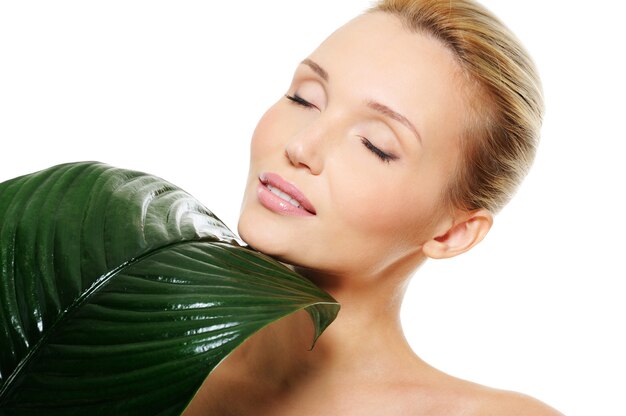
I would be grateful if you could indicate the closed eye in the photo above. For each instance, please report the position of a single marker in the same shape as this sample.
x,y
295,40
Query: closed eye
x,y
385,157
299,100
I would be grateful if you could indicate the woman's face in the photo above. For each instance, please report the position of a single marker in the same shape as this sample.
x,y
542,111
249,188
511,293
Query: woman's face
x,y
368,133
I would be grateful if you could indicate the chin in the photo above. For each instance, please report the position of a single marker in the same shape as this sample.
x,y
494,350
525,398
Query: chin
x,y
255,233
264,239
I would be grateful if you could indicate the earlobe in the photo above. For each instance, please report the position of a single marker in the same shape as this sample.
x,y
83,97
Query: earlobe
x,y
461,236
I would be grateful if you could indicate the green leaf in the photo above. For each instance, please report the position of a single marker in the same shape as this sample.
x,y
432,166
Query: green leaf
x,y
119,293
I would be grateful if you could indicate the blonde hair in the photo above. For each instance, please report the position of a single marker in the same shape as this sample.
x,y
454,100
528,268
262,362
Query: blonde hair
x,y
502,131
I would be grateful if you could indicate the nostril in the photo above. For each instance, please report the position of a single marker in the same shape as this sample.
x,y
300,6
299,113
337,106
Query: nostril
x,y
302,156
290,158
294,156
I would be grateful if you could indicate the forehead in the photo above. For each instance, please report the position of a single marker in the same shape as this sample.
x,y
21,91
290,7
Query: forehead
x,y
375,57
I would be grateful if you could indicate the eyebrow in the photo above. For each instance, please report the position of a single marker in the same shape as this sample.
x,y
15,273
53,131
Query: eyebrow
x,y
374,105
386,111
316,68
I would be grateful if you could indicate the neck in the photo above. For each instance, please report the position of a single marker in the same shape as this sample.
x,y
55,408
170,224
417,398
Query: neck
x,y
366,340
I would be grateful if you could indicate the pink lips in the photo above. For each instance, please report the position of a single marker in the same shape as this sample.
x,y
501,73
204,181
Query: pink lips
x,y
277,204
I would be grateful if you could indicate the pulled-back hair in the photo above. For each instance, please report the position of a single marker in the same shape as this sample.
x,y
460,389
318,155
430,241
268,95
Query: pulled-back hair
x,y
502,132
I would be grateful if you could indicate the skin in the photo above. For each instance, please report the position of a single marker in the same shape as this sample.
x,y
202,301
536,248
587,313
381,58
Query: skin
x,y
376,222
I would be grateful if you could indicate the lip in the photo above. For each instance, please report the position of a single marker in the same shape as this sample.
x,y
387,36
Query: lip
x,y
276,203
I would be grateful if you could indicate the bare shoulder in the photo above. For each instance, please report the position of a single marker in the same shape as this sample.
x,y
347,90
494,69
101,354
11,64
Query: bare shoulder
x,y
463,397
500,402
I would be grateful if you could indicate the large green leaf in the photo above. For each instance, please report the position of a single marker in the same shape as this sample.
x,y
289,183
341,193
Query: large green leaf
x,y
119,293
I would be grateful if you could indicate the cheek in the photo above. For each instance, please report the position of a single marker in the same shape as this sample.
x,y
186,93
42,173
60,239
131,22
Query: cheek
x,y
266,139
381,208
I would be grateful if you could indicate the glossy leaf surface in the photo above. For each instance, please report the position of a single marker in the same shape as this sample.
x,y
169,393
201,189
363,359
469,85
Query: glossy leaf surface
x,y
119,293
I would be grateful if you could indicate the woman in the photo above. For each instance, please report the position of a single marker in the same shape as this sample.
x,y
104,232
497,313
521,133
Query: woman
x,y
398,139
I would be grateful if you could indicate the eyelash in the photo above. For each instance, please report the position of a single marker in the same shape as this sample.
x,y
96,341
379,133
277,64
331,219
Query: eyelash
x,y
299,100
384,157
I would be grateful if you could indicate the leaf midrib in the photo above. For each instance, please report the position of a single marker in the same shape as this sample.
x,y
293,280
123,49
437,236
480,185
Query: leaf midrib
x,y
78,302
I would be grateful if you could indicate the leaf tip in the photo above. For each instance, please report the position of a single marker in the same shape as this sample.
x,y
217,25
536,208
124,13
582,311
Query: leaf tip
x,y
322,314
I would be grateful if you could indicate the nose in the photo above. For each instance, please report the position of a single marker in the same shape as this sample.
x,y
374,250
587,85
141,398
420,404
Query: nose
x,y
307,147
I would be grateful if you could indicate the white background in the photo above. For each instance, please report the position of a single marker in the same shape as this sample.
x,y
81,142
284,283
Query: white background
x,y
176,88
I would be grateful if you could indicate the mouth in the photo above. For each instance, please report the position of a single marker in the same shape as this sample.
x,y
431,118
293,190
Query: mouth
x,y
285,197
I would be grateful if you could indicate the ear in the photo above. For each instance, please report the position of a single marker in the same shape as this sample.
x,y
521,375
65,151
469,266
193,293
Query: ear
x,y
466,231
